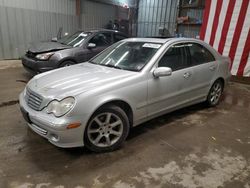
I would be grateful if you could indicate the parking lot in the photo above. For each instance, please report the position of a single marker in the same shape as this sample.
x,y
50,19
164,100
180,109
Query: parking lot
x,y
193,147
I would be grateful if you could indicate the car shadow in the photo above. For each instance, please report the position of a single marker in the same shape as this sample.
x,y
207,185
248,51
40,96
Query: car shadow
x,y
165,120
48,157
146,127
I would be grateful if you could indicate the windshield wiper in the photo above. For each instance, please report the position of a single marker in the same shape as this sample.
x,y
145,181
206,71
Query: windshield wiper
x,y
91,62
113,66
106,65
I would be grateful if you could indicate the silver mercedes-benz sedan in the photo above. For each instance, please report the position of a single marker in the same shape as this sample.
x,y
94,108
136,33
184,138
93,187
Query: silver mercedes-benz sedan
x,y
94,104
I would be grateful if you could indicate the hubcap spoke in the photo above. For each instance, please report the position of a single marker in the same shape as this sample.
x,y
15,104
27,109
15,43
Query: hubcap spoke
x,y
98,121
94,130
116,133
108,118
212,98
116,123
98,138
108,140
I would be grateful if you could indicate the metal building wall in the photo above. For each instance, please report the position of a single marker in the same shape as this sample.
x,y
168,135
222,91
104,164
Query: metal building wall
x,y
96,15
156,14
25,21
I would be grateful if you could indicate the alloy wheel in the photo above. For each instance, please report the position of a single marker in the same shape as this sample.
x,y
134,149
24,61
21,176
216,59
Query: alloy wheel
x,y
105,129
215,93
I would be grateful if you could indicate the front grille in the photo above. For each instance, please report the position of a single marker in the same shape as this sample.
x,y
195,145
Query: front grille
x,y
30,54
33,100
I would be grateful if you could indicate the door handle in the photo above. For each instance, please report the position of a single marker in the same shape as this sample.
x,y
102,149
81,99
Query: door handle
x,y
212,68
187,75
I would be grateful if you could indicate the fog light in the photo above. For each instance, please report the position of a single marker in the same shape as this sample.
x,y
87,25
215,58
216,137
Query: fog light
x,y
54,137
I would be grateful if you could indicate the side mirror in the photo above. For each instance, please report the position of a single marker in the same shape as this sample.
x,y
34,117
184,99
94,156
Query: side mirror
x,y
91,45
54,39
162,71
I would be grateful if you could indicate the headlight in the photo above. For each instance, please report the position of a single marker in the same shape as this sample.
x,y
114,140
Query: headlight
x,y
44,56
59,108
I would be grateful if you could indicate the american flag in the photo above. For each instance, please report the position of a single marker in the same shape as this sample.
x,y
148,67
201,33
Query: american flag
x,y
226,27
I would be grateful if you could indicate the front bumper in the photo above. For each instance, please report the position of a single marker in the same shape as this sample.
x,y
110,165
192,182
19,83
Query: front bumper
x,y
52,128
35,66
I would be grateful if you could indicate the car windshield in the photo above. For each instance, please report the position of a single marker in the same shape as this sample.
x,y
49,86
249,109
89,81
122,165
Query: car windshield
x,y
131,56
74,40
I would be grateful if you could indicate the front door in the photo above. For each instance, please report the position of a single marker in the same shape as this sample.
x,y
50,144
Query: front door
x,y
169,92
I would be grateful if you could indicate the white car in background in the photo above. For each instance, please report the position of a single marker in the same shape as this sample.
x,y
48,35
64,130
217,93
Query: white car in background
x,y
94,104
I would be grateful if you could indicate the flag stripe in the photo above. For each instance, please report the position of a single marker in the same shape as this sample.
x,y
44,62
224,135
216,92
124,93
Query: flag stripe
x,y
226,26
210,21
247,67
241,44
215,21
238,29
222,19
245,56
205,19
232,27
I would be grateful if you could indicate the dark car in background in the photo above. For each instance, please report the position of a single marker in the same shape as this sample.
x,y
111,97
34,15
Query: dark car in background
x,y
73,49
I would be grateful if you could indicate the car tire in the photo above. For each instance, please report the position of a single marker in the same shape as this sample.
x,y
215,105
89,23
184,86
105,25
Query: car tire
x,y
215,93
107,129
67,63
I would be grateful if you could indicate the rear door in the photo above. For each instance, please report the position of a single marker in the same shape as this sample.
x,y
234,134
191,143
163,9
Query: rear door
x,y
204,67
169,92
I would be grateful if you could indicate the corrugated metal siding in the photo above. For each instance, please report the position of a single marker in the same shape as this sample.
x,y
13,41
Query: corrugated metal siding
x,y
56,6
96,15
155,14
130,3
25,21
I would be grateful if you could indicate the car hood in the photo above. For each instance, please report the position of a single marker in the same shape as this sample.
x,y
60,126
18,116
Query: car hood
x,y
76,79
47,47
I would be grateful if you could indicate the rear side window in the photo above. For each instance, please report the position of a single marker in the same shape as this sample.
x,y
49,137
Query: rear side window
x,y
118,37
199,54
175,58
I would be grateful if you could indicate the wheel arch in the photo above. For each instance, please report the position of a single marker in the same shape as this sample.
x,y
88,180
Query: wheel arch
x,y
222,80
120,103
66,59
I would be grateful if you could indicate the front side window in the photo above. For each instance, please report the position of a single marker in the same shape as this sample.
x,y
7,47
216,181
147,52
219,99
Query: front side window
x,y
127,55
175,58
101,39
74,40
199,54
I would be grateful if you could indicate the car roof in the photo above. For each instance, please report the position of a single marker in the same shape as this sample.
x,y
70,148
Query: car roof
x,y
98,30
162,40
